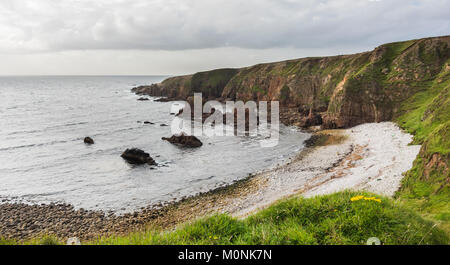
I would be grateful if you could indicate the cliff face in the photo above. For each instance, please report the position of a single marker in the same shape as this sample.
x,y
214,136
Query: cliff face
x,y
393,73
178,87
345,90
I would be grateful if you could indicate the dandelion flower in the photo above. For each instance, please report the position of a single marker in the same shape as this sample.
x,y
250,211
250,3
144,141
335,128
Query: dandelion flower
x,y
360,197
357,198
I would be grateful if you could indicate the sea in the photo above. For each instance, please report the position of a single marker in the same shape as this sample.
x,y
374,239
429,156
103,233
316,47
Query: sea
x,y
43,159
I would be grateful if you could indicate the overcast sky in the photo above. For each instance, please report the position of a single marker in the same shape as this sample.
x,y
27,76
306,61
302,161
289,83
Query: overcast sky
x,y
184,36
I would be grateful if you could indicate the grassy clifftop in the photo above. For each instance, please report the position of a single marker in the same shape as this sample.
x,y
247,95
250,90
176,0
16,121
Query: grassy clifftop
x,y
340,218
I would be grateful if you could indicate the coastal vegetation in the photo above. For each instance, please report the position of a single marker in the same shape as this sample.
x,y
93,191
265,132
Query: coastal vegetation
x,y
341,218
427,115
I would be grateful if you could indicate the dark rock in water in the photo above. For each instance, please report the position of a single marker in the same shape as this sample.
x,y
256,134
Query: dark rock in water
x,y
137,156
184,140
148,122
143,99
163,125
88,140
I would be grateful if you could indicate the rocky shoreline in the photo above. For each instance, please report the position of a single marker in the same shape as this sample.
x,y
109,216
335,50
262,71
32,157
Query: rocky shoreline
x,y
370,157
21,221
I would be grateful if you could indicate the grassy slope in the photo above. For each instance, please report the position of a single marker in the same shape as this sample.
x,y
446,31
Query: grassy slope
x,y
211,83
427,115
330,219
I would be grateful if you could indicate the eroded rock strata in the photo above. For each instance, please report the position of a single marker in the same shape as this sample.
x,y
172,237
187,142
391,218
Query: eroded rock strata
x,y
336,91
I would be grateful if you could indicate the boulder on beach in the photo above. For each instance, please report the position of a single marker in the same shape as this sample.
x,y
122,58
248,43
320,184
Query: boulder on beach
x,y
143,99
137,156
184,140
88,140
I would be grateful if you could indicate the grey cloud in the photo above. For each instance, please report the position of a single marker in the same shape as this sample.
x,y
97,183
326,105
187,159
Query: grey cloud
x,y
48,25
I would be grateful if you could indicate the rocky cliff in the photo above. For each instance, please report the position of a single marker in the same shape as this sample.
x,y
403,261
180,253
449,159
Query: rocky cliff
x,y
345,90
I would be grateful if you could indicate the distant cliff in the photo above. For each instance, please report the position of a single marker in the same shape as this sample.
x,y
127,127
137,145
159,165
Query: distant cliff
x,y
346,90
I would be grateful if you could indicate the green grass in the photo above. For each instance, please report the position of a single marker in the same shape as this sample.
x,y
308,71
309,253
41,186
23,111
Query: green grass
x,y
427,116
44,240
426,110
212,83
330,219
323,220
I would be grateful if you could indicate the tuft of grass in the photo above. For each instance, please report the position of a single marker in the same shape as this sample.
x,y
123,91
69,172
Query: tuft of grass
x,y
330,219
45,240
4,241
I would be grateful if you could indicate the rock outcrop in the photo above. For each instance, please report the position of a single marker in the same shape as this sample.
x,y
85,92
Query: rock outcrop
x,y
137,156
184,140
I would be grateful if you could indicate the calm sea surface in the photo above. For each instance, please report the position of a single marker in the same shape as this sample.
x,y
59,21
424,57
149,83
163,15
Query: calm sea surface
x,y
43,159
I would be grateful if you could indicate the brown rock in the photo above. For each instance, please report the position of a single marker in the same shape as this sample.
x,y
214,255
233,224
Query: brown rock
x,y
137,156
184,140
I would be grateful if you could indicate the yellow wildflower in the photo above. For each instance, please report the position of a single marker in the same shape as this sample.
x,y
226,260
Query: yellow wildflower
x,y
360,197
357,198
